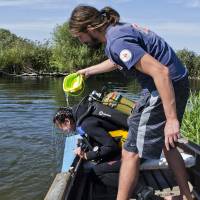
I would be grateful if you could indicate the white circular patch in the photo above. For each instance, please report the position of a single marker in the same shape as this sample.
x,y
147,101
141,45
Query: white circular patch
x,y
125,55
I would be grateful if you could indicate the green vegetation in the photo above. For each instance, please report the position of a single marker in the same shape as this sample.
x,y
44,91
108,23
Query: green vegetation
x,y
191,60
191,121
69,55
64,54
18,55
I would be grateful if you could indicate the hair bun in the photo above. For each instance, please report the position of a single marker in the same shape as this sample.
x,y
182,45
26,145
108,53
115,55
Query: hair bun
x,y
111,14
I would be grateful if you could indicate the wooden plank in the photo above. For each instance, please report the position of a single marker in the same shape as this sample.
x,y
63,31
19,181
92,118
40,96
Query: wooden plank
x,y
196,178
159,179
58,187
169,178
150,179
142,179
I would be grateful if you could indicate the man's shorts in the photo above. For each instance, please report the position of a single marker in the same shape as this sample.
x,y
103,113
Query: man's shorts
x,y
147,122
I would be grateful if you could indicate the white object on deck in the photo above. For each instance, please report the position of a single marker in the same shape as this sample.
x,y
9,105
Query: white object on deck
x,y
162,162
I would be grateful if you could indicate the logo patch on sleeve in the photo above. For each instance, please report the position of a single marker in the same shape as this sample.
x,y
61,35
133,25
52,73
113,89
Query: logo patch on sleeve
x,y
125,55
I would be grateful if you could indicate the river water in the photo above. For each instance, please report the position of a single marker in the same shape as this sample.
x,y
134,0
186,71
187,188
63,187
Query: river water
x,y
30,151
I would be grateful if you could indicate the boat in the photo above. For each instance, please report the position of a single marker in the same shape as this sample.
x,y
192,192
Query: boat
x,y
74,184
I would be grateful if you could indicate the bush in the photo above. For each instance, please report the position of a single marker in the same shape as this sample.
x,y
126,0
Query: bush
x,y
19,55
191,60
69,55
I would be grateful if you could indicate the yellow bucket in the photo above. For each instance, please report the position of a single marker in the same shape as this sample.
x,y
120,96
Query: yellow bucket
x,y
73,84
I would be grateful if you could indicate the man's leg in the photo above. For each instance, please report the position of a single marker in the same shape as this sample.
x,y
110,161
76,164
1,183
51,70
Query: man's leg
x,y
129,173
177,165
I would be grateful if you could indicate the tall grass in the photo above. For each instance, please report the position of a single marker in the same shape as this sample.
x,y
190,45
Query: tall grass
x,y
191,121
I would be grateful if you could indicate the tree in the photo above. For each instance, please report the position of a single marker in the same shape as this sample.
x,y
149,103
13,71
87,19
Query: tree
x,y
191,60
19,55
68,54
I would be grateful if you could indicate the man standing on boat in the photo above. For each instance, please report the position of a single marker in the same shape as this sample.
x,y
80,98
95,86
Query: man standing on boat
x,y
156,118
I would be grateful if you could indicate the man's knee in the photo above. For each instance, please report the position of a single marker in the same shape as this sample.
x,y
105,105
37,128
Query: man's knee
x,y
126,155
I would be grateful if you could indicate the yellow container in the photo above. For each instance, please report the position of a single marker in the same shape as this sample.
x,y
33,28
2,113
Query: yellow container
x,y
73,84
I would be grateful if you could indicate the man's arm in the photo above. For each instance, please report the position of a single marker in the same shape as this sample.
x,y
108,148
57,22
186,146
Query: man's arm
x,y
160,74
103,67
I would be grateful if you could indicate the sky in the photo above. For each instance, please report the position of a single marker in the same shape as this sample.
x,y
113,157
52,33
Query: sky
x,y
177,21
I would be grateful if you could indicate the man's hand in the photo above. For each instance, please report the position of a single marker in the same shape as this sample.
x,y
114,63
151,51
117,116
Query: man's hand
x,y
84,72
105,66
80,153
172,133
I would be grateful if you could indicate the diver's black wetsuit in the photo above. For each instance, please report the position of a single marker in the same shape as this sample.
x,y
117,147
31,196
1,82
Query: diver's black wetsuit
x,y
96,130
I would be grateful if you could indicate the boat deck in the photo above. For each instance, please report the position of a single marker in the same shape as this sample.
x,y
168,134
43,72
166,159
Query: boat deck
x,y
75,185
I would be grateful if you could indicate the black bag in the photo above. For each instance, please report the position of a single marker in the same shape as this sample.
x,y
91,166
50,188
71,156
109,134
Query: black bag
x,y
110,114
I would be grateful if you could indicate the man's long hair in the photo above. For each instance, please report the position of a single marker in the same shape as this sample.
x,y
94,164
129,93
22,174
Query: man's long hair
x,y
83,16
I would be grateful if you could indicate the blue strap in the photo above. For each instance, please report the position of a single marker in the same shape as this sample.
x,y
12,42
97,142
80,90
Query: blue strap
x,y
80,130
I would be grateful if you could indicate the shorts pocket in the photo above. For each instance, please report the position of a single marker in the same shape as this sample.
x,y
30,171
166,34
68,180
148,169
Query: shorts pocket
x,y
141,104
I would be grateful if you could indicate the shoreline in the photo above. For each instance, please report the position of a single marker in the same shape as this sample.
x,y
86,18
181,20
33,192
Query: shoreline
x,y
54,74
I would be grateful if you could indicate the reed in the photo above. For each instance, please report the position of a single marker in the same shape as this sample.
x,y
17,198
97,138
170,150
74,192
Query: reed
x,y
191,121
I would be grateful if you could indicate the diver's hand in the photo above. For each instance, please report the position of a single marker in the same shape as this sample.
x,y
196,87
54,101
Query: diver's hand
x,y
80,153
172,133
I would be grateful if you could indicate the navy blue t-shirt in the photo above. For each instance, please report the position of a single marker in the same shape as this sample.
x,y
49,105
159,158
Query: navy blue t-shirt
x,y
127,43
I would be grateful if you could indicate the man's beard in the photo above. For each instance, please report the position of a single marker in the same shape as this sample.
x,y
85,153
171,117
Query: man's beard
x,y
94,43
